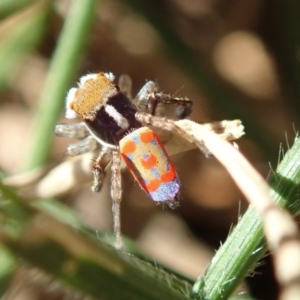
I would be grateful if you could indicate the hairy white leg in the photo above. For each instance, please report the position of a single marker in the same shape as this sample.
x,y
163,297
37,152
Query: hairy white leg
x,y
77,131
116,195
142,98
81,147
99,166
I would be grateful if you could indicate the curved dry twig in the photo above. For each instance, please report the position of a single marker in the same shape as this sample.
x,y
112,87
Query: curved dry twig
x,y
281,231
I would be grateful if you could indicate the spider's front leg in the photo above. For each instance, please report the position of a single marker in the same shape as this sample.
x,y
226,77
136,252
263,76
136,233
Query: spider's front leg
x,y
77,131
142,98
149,98
184,105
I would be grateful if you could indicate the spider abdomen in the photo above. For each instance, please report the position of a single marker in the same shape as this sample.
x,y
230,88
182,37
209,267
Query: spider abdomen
x,y
150,164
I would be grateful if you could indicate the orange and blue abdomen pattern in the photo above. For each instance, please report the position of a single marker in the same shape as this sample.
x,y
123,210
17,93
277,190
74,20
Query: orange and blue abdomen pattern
x,y
149,163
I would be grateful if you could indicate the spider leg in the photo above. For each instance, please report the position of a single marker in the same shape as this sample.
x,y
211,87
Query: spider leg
x,y
116,194
125,85
98,171
142,98
84,146
169,125
148,99
77,131
184,105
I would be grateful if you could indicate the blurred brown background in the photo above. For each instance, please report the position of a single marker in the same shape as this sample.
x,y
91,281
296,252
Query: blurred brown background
x,y
241,61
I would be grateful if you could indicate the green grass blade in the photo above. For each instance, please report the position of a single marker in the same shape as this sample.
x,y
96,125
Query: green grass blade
x,y
84,263
64,65
8,265
19,34
7,7
245,246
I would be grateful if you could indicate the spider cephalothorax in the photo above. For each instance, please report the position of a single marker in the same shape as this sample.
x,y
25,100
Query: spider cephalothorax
x,y
119,125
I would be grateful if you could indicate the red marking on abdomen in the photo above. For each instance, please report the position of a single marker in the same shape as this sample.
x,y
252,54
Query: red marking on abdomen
x,y
152,185
129,147
146,137
169,175
149,162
